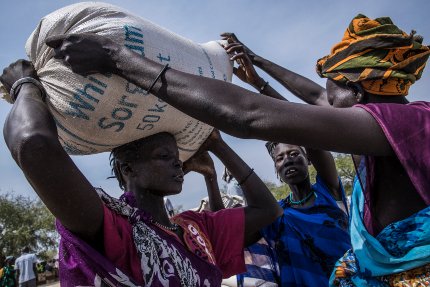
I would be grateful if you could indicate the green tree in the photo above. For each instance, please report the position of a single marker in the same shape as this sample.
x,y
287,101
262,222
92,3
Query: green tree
x,y
26,222
346,170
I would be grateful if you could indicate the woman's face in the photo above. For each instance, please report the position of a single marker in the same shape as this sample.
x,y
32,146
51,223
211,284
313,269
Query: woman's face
x,y
339,95
159,168
291,163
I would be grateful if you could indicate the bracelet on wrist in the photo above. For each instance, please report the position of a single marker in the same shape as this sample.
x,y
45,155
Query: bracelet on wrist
x,y
263,87
156,79
246,177
17,86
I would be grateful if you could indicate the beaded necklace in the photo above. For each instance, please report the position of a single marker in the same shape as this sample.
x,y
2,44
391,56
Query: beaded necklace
x,y
302,201
173,228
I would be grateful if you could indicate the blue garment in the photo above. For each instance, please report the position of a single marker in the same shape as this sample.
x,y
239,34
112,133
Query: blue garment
x,y
399,247
309,241
261,265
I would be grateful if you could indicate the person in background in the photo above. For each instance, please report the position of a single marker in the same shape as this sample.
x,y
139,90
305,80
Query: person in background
x,y
232,187
7,273
25,266
169,207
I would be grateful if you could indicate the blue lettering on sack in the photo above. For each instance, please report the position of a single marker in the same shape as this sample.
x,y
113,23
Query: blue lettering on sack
x,y
133,89
149,120
161,58
83,98
121,113
134,39
211,67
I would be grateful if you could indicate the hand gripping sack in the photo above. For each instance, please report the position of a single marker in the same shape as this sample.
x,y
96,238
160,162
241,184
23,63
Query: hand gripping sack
x,y
99,112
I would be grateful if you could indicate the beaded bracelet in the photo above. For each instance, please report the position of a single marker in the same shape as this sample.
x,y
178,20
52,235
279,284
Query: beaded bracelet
x,y
156,79
246,177
17,85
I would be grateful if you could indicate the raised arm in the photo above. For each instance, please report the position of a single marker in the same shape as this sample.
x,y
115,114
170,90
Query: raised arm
x,y
262,208
237,111
202,163
302,87
31,136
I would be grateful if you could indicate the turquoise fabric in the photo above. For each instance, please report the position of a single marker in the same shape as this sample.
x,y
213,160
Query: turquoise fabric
x,y
400,246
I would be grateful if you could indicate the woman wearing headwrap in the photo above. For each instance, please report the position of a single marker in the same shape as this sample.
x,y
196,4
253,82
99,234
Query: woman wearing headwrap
x,y
369,74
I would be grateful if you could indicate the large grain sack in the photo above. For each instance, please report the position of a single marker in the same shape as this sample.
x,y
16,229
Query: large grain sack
x,y
99,112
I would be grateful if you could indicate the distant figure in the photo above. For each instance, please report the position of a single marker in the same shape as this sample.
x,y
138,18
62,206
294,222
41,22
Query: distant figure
x,y
7,273
25,267
169,207
233,187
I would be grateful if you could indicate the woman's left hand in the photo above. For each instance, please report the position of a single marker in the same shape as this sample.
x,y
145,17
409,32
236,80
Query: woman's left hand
x,y
201,163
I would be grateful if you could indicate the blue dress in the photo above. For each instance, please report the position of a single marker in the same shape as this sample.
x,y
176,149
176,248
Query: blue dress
x,y
309,241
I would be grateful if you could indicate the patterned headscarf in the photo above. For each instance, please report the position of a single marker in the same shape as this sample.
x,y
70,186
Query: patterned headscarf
x,y
378,55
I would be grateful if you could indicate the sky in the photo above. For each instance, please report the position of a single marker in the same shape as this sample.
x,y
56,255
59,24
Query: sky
x,y
293,34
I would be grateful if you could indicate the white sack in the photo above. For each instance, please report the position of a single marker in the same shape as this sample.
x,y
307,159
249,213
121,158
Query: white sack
x,y
97,113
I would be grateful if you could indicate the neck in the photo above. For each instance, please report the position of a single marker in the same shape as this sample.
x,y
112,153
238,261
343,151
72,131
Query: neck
x,y
387,99
154,205
301,190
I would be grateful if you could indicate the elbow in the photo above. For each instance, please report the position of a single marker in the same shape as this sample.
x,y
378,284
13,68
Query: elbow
x,y
275,212
28,147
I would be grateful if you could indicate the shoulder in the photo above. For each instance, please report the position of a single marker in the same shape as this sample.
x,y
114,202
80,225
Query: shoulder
x,y
384,112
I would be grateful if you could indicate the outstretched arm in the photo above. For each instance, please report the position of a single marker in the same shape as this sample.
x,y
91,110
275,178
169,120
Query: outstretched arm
x,y
31,136
302,87
262,208
237,111
202,163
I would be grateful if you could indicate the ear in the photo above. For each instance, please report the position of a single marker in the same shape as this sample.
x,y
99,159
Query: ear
x,y
359,92
126,169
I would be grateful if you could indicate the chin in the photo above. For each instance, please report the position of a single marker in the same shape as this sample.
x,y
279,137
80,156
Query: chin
x,y
295,180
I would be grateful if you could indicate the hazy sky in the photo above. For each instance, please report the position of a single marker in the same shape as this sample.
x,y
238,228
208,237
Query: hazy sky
x,y
293,34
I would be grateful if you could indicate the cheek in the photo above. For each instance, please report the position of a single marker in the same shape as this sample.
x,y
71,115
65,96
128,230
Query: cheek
x,y
344,100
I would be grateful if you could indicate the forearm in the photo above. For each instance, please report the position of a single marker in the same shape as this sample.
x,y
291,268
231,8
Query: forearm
x,y
215,200
191,94
265,89
28,118
303,88
256,193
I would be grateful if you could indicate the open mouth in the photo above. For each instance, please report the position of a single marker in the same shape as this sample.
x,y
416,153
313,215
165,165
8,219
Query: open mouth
x,y
291,172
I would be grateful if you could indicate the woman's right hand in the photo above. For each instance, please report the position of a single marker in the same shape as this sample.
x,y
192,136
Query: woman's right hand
x,y
245,70
232,38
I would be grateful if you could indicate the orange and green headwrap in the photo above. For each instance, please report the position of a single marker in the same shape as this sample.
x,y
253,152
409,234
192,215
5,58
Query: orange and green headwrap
x,y
378,55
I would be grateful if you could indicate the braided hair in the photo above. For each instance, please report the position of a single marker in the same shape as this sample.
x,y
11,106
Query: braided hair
x,y
129,153
122,154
